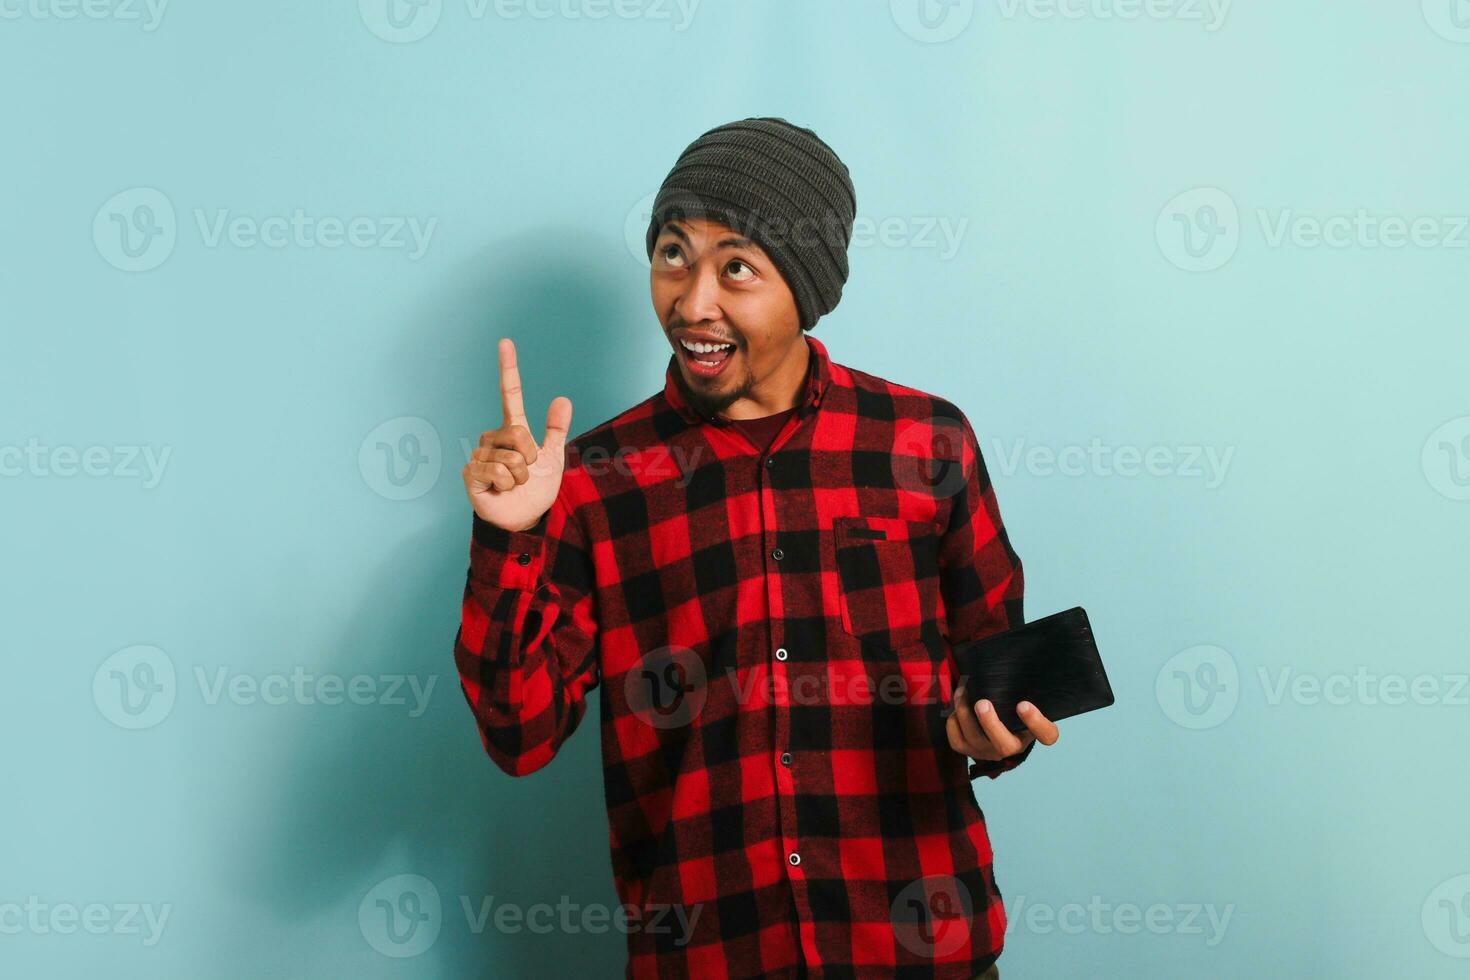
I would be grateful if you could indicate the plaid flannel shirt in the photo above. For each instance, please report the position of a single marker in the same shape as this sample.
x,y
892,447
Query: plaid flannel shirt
x,y
769,638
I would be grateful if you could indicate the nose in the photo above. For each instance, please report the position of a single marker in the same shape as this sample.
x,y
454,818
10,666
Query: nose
x,y
700,299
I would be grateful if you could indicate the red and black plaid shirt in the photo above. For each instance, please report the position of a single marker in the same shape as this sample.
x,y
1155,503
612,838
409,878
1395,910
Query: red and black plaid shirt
x,y
768,633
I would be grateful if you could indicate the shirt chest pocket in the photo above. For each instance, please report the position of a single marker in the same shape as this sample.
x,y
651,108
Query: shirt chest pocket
x,y
888,576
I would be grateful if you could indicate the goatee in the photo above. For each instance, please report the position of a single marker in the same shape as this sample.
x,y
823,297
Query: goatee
x,y
706,404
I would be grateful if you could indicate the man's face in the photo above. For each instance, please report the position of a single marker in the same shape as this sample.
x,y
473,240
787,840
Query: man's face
x,y
712,285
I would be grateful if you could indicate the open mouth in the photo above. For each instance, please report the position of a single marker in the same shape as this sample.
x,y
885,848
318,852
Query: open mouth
x,y
705,360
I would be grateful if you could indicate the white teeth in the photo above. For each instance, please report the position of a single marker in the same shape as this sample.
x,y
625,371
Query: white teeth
x,y
700,348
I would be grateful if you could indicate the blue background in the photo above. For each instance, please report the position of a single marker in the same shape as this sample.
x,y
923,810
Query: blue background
x,y
1114,185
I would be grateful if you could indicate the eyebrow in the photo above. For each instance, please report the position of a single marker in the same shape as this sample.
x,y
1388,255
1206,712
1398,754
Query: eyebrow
x,y
722,243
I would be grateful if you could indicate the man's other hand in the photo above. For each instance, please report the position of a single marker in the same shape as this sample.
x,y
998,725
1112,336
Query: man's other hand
x,y
976,731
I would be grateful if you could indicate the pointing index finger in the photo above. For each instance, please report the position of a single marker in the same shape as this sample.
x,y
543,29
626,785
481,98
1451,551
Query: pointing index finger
x,y
511,404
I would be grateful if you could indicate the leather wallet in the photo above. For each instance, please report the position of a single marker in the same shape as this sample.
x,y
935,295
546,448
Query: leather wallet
x,y
1052,662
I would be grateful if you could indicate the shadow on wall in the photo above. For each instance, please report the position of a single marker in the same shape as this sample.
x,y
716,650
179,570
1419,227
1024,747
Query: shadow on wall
x,y
366,794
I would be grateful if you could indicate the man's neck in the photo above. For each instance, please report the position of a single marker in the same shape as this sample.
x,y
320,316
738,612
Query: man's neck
x,y
781,391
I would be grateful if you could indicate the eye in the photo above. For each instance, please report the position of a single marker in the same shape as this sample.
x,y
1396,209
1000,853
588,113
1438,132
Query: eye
x,y
672,259
734,263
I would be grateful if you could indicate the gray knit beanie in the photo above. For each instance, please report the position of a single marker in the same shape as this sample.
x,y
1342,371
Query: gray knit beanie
x,y
781,186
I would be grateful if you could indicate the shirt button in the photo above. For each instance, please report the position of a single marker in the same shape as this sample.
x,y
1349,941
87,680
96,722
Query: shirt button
x,y
778,554
523,558
780,653
770,461
785,758
795,859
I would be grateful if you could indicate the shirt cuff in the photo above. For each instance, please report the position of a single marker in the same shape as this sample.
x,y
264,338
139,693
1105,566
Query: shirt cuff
x,y
993,769
507,559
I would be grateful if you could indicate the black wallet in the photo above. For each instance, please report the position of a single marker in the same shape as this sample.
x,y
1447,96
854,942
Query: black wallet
x,y
1052,662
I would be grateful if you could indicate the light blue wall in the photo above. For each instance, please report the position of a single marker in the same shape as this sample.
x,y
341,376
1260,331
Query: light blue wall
x,y
1064,155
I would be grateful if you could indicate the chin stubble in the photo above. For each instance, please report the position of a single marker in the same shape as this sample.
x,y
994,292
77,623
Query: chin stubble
x,y
710,406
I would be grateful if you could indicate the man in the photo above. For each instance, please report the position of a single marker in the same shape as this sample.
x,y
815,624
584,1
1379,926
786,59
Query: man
x,y
761,569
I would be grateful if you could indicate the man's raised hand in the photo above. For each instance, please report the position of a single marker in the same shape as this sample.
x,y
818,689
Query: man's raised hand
x,y
510,480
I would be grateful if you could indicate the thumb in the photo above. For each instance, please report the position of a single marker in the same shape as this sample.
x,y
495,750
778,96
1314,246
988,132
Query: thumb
x,y
558,423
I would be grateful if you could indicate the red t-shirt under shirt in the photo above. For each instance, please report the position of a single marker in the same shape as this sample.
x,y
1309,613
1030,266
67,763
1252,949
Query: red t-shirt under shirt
x,y
762,431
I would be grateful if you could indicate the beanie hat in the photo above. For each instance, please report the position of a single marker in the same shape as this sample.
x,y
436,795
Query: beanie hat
x,y
779,185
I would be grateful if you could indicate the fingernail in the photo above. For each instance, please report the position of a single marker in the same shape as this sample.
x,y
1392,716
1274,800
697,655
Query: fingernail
x,y
983,707
1025,706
